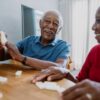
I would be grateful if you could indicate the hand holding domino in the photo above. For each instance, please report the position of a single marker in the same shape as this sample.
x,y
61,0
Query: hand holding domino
x,y
3,39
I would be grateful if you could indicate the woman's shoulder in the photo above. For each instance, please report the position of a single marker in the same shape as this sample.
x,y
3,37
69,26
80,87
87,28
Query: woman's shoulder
x,y
96,48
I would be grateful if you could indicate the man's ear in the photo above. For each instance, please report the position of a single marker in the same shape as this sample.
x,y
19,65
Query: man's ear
x,y
60,28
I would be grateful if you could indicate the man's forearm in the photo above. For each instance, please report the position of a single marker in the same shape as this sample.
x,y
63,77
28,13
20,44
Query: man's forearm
x,y
39,64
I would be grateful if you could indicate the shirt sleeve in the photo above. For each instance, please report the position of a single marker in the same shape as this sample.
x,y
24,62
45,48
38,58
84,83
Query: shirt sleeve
x,y
64,51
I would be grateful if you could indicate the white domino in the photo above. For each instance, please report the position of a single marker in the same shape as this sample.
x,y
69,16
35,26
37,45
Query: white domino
x,y
3,79
50,86
3,38
18,73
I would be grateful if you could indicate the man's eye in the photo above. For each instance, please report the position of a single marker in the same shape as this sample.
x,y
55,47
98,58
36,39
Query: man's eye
x,y
56,24
47,21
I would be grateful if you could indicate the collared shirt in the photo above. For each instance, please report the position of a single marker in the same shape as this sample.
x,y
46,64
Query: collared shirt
x,y
32,47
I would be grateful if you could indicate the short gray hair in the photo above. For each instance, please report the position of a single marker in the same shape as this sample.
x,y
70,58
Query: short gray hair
x,y
58,14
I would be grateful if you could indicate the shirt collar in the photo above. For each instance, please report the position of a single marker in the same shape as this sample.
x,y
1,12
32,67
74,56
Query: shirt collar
x,y
53,43
37,40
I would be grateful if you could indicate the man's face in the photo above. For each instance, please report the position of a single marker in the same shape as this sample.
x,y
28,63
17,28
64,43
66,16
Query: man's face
x,y
96,26
49,26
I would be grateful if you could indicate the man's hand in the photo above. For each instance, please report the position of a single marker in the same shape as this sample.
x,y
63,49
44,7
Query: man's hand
x,y
50,74
85,90
14,52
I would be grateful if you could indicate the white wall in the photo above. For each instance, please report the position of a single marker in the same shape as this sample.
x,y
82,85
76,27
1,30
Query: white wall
x,y
10,15
65,7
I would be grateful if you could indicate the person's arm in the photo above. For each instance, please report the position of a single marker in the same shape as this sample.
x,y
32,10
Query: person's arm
x,y
50,74
42,64
84,90
33,62
54,73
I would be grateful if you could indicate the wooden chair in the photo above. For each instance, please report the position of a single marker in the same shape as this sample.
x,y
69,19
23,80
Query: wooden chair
x,y
69,63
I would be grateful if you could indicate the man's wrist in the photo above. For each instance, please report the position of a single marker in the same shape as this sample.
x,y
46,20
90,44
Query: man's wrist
x,y
24,60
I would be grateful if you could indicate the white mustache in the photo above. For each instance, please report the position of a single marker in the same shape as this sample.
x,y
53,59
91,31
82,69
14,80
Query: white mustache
x,y
48,30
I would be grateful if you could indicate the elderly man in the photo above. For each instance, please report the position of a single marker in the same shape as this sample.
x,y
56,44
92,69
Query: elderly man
x,y
44,51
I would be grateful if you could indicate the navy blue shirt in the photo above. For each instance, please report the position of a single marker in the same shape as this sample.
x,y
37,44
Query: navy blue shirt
x,y
32,47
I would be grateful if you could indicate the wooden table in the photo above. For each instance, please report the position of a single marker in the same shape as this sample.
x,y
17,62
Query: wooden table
x,y
21,88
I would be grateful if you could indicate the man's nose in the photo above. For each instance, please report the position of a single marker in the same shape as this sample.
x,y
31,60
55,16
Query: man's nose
x,y
51,25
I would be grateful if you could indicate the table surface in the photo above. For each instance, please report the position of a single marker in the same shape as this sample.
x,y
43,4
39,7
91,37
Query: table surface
x,y
21,88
